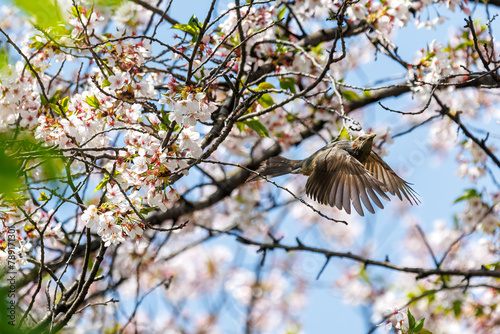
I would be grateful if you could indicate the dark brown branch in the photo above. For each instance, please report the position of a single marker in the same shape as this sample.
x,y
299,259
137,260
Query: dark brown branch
x,y
421,272
456,118
156,11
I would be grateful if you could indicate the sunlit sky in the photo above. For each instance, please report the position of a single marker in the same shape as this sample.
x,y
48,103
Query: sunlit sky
x,y
326,313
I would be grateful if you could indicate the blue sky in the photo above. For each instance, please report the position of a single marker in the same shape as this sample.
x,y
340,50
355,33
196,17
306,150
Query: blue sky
x,y
326,312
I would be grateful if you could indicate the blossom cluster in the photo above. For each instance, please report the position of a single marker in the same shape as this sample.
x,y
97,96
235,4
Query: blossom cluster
x,y
257,29
27,224
128,117
19,98
110,106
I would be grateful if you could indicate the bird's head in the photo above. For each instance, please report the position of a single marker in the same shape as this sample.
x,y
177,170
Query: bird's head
x,y
363,146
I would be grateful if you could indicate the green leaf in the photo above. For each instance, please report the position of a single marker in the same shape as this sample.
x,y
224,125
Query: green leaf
x,y
147,210
193,22
93,101
43,100
493,266
344,134
411,320
464,45
186,28
266,101
74,11
288,84
318,49
103,183
425,331
64,103
457,308
43,196
264,86
240,126
257,126
192,28
106,83
9,179
56,108
350,96
455,221
469,193
56,96
290,118
47,160
281,12
109,3
4,58
46,13
419,325
51,167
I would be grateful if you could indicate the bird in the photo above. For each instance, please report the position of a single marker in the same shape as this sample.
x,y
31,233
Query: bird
x,y
343,173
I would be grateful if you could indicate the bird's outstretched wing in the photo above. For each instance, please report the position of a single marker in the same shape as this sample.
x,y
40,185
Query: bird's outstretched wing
x,y
395,185
339,179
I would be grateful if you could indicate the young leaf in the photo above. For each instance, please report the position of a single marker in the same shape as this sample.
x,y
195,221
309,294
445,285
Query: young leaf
x,y
349,95
266,101
46,13
264,86
9,180
93,101
288,84
43,100
50,162
147,210
56,96
290,118
493,266
411,320
240,126
469,193
4,58
56,108
192,28
425,331
51,167
457,308
106,83
64,103
43,197
281,12
102,184
344,134
257,126
193,22
109,3
419,325
186,28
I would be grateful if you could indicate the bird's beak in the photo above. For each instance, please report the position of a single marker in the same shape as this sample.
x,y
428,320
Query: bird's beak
x,y
373,135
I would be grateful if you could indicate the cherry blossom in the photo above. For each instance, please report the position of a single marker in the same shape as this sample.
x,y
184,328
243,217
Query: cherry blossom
x,y
131,136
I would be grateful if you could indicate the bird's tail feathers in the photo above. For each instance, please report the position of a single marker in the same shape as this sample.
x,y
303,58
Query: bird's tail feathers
x,y
277,166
